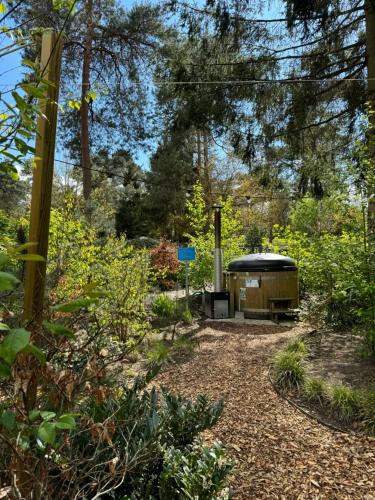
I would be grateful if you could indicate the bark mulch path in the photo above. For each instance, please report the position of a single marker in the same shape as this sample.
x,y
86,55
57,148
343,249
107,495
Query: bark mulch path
x,y
278,452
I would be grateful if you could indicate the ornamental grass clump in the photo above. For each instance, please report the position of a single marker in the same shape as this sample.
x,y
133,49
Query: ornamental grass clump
x,y
298,346
164,307
289,369
345,402
315,390
159,352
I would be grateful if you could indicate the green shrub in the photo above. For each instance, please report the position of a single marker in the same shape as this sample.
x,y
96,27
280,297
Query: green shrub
x,y
187,317
164,307
315,390
367,409
345,401
184,470
150,437
297,345
289,369
333,273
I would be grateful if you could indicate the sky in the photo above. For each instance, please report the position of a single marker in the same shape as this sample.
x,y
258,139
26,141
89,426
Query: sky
x,y
11,72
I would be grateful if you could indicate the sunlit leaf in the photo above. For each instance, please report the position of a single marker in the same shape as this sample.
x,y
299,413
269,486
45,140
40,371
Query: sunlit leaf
x,y
14,342
58,329
74,305
7,281
30,257
21,248
47,415
66,422
47,432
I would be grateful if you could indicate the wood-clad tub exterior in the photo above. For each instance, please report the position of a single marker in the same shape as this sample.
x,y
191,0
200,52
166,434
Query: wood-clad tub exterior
x,y
278,289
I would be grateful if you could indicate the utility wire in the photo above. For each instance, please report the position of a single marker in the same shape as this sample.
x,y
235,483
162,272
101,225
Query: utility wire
x,y
10,11
249,82
59,35
263,21
78,165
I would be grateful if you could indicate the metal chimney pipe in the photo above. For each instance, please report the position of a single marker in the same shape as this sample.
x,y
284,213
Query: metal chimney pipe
x,y
218,265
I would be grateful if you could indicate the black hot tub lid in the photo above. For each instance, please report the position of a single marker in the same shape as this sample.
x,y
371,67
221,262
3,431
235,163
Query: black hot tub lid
x,y
262,262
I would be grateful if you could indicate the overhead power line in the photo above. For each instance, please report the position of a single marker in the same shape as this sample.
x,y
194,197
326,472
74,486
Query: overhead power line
x,y
248,82
265,21
11,10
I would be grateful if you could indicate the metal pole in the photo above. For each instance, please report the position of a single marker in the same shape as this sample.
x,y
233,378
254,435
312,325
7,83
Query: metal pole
x,y
218,278
187,285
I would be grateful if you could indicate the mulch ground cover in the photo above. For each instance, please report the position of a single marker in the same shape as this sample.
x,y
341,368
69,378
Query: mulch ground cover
x,y
278,452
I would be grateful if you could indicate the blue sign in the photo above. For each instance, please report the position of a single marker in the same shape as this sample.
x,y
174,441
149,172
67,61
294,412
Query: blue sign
x,y
186,253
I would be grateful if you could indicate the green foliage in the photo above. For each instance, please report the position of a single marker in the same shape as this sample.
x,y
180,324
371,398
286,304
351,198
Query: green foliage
x,y
332,272
168,180
183,344
331,215
164,307
367,409
8,229
289,369
315,390
159,352
152,436
184,470
297,345
201,235
77,257
345,401
366,315
187,317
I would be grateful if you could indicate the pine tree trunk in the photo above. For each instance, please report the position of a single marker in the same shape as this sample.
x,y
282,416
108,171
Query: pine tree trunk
x,y
370,42
85,136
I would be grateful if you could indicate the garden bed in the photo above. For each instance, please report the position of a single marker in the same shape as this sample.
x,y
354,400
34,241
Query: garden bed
x,y
278,452
327,377
338,358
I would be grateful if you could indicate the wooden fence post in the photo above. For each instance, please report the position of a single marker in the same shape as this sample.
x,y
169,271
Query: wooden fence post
x,y
42,181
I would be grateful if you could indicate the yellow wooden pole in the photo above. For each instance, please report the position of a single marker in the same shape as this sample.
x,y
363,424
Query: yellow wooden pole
x,y
42,180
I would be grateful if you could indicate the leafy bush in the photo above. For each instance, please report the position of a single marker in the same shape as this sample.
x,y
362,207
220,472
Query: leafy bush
x,y
366,314
184,471
315,390
289,369
333,272
77,258
149,438
187,317
345,401
367,409
165,264
164,306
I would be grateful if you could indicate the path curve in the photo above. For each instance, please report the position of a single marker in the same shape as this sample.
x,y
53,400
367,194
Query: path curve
x,y
279,452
